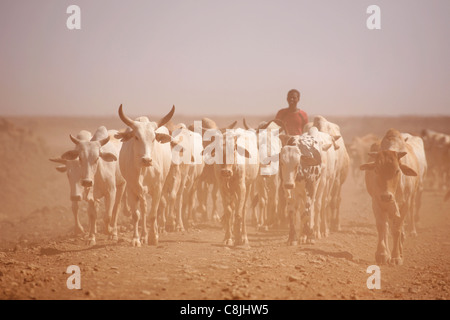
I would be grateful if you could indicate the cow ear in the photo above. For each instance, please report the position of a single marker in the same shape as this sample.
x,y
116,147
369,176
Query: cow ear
x,y
407,171
70,155
367,166
336,138
400,155
243,152
163,137
108,156
309,161
61,168
124,136
325,147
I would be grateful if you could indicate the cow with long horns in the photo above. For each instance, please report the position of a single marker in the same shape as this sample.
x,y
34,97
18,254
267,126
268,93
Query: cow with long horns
x,y
145,160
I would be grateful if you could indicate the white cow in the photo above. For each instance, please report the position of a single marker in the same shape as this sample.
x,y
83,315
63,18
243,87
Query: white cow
x,y
342,167
417,145
101,176
73,171
236,163
265,188
186,167
145,160
301,172
207,179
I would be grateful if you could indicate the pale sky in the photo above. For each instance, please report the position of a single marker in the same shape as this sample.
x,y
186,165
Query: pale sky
x,y
217,57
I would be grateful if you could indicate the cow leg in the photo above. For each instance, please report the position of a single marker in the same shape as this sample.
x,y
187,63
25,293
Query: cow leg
x,y
382,255
78,227
110,199
292,212
397,236
133,200
237,224
310,212
227,212
415,215
272,201
215,213
202,194
120,189
335,204
144,212
92,213
282,216
162,211
179,209
244,224
156,196
398,232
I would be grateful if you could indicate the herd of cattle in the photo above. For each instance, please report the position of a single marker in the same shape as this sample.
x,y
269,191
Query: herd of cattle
x,y
167,173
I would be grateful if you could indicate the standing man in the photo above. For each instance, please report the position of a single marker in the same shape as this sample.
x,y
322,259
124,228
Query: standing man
x,y
294,118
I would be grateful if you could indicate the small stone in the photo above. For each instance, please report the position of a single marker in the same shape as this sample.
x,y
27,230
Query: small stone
x,y
89,294
293,278
146,292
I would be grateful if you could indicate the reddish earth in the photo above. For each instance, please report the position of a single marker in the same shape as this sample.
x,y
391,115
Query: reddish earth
x,y
37,242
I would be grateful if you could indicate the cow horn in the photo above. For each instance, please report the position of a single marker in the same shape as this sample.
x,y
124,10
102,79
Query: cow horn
x,y
167,117
231,126
124,118
245,124
58,160
104,141
74,140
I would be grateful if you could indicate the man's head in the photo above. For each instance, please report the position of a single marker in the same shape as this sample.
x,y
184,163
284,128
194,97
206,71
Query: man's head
x,y
293,97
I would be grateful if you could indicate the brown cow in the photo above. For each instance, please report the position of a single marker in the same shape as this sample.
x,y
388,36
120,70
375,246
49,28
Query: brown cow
x,y
392,182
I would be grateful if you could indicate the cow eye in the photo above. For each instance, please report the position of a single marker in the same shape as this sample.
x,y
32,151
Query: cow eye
x,y
135,137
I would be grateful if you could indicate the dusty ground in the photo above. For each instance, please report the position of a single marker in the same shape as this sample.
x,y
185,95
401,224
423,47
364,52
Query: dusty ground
x,y
37,245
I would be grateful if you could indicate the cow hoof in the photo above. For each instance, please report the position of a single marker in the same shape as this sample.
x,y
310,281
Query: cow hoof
x,y
91,242
109,230
292,243
381,258
113,237
136,242
228,242
302,240
396,261
310,241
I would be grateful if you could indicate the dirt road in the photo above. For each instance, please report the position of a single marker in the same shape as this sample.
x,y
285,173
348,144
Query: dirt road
x,y
38,246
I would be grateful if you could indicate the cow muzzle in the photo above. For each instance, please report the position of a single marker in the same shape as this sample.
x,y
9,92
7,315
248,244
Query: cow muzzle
x,y
87,183
146,162
226,173
387,197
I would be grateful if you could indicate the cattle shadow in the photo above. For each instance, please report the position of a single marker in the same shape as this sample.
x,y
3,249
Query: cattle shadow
x,y
340,254
53,251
